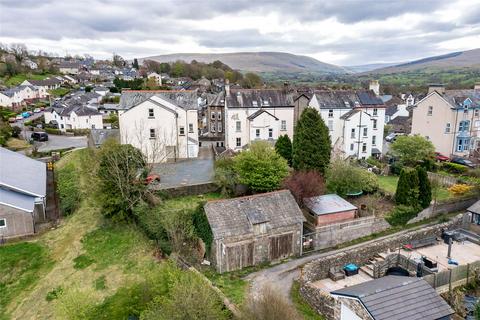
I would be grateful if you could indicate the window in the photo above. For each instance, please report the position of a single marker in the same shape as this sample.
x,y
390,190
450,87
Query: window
x,y
477,123
239,142
352,146
151,114
182,130
476,113
364,147
270,133
257,133
430,111
212,115
464,126
352,135
374,140
330,125
152,133
219,127
212,127
93,126
283,125
219,115
375,111
238,126
365,132
190,127
463,144
255,104
447,128
374,124
3,223
330,113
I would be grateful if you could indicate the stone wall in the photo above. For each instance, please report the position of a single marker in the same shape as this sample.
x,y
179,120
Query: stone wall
x,y
190,190
319,300
442,208
334,234
360,254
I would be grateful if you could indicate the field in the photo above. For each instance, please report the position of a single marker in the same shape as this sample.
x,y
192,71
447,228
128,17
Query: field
x,y
389,185
19,78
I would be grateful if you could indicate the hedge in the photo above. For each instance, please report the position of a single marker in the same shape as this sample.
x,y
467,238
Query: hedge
x,y
454,168
79,132
53,131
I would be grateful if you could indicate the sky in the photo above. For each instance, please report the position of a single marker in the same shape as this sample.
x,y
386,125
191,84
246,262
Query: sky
x,y
342,32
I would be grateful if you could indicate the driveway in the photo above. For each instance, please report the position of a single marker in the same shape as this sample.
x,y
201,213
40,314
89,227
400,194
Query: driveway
x,y
186,171
56,142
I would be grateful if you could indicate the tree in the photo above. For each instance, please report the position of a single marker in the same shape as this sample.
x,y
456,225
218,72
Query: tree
x,y
407,188
424,188
260,167
135,64
251,80
121,170
343,178
311,143
412,150
225,176
283,146
118,61
304,184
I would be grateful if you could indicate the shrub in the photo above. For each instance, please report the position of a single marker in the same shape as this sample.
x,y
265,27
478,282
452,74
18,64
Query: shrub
x,y
304,184
53,131
454,168
407,187
374,162
369,181
16,131
283,146
344,178
68,187
79,132
401,214
460,189
424,188
54,294
225,176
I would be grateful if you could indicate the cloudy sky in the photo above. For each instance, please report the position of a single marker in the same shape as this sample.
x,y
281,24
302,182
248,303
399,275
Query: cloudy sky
x,y
346,32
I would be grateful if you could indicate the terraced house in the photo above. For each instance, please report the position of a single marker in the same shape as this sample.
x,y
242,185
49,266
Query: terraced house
x,y
450,119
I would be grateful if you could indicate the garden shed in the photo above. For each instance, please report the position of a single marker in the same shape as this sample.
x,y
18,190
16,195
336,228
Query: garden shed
x,y
328,209
254,229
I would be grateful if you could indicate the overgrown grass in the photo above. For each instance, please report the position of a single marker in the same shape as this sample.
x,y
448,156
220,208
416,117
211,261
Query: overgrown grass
x,y
307,312
19,78
21,266
231,284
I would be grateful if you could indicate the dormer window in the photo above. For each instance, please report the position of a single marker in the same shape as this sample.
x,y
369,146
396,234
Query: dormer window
x,y
265,103
255,104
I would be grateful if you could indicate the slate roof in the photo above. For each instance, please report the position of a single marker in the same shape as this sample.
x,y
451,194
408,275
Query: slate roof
x,y
45,82
475,208
457,97
245,98
236,217
368,98
390,111
17,200
21,173
328,204
396,297
346,99
186,99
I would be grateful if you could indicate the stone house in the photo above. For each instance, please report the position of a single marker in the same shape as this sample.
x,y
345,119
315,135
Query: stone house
x,y
254,229
450,119
329,209
23,187
213,131
391,298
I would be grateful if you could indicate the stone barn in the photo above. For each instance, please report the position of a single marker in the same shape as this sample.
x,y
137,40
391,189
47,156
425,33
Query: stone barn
x,y
254,229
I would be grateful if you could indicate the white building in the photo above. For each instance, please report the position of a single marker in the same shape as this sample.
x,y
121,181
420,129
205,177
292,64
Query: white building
x,y
75,116
18,96
68,67
256,114
156,77
355,120
44,85
162,124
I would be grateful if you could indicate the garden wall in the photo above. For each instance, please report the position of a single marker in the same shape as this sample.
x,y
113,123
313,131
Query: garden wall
x,y
190,190
442,208
362,253
337,233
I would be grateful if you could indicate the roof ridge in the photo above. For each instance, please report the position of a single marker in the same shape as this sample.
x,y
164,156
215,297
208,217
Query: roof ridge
x,y
251,196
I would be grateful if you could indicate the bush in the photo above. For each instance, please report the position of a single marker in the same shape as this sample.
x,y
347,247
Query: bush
x,y
16,131
68,187
407,187
424,188
343,178
401,214
79,132
225,176
202,227
460,189
454,168
369,181
53,131
304,184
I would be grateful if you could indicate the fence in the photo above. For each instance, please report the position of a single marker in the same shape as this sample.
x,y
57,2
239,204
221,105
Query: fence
x,y
444,180
451,276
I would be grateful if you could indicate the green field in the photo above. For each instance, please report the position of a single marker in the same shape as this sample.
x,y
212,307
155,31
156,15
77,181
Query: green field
x,y
19,78
389,185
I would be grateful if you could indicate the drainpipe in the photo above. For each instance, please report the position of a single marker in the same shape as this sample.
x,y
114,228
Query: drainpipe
x,y
186,131
454,132
176,135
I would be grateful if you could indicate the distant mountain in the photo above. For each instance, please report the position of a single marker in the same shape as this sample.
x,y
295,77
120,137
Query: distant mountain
x,y
369,67
454,60
261,62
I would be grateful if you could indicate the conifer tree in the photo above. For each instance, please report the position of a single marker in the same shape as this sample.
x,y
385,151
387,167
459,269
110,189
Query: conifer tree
x,y
424,188
283,146
407,188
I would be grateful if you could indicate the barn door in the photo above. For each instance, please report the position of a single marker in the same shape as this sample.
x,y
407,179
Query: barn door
x,y
281,246
239,256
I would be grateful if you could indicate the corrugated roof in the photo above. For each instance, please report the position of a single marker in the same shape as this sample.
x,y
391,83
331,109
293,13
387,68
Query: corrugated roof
x,y
22,173
235,217
398,298
327,204
17,200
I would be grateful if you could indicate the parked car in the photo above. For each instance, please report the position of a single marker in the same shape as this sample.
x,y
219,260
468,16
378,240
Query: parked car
x,y
152,178
391,137
36,110
19,117
464,162
42,108
440,157
12,120
39,136
25,114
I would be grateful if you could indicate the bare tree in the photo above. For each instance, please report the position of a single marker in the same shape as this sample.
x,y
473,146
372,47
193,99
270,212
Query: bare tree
x,y
19,50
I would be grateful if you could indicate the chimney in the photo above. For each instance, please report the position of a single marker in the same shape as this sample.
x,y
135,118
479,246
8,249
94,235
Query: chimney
x,y
440,88
476,87
375,87
227,88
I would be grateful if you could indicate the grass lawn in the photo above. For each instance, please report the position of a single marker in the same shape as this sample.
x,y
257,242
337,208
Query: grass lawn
x,y
19,78
389,185
231,284
59,92
17,144
301,305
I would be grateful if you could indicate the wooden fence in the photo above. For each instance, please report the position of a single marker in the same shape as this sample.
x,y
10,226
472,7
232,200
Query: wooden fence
x,y
451,276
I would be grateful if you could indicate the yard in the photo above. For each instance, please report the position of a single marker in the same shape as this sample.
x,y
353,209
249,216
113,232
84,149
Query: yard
x,y
389,185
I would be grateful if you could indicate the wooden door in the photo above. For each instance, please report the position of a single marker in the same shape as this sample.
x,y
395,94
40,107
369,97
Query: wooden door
x,y
281,246
239,256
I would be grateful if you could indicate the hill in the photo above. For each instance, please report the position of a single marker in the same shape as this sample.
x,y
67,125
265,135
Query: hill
x,y
260,62
454,60
368,67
